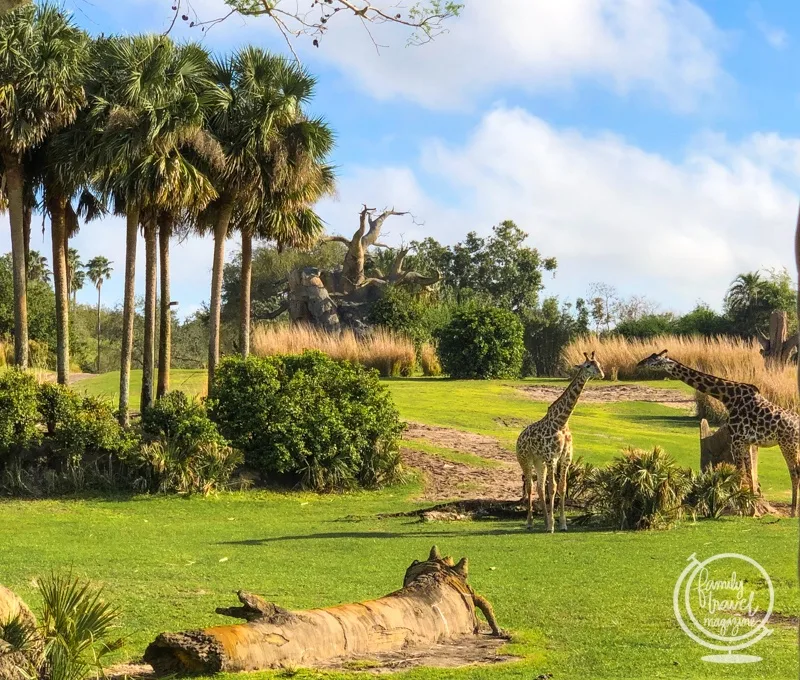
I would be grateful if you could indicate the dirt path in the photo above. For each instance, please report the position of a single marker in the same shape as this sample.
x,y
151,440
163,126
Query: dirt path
x,y
607,394
446,480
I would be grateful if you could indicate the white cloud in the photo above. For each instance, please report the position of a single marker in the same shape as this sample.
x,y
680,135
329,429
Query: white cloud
x,y
774,35
609,211
665,47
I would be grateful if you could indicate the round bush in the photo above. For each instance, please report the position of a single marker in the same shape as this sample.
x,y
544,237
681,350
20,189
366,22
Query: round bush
x,y
308,420
180,420
482,342
19,414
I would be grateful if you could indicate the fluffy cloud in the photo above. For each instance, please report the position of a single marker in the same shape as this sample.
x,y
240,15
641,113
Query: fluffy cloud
x,y
665,47
609,211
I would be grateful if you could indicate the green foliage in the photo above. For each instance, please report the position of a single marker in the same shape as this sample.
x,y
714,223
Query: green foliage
x,y
400,311
640,490
19,414
308,419
500,268
180,420
87,428
202,467
76,624
720,491
482,342
753,296
548,331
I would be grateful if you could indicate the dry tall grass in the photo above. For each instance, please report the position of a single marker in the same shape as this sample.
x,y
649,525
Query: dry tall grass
x,y
729,358
392,354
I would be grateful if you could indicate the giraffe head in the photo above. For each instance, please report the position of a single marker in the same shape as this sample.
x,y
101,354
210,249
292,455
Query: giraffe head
x,y
591,367
659,360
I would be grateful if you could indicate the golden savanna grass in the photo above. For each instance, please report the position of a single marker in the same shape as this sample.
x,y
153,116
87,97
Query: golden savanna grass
x,y
730,358
391,353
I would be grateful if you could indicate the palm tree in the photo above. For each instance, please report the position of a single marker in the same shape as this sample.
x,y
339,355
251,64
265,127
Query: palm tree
x,y
744,291
266,96
37,267
42,58
76,276
98,269
151,107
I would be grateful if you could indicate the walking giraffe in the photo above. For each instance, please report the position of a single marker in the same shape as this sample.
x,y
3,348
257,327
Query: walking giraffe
x,y
752,419
548,442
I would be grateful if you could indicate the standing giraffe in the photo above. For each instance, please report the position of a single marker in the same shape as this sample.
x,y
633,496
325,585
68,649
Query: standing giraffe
x,y
545,443
752,419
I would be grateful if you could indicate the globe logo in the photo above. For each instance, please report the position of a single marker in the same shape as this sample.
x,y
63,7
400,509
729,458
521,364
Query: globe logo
x,y
724,603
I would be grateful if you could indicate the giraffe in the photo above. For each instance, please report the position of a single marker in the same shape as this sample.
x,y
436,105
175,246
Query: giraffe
x,y
548,442
752,419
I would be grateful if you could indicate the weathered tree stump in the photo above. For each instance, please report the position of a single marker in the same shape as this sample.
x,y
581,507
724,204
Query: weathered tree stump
x,y
15,665
435,604
777,348
715,448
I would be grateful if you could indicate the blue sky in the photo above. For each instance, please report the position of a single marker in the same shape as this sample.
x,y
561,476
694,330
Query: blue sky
x,y
649,144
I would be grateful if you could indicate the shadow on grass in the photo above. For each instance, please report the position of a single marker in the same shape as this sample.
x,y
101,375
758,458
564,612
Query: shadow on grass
x,y
519,529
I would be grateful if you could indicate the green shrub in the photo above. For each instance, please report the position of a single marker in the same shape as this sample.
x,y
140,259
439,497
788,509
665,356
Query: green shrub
x,y
399,311
204,467
56,402
482,342
87,428
19,414
180,420
640,490
711,409
719,491
308,419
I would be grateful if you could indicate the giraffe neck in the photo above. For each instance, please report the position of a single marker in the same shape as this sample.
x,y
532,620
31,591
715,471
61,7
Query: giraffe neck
x,y
724,390
561,409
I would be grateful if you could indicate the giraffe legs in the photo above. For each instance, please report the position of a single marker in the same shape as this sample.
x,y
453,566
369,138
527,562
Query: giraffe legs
x,y
527,491
790,448
551,497
741,454
540,488
566,459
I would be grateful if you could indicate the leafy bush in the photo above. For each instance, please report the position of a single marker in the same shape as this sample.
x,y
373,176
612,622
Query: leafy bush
x,y
398,310
640,490
308,419
711,409
482,342
87,428
203,467
19,414
719,491
180,420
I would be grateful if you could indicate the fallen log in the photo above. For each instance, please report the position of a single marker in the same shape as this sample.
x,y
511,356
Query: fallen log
x,y
435,604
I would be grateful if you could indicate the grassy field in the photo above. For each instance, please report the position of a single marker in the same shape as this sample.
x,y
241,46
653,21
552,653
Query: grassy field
x,y
586,604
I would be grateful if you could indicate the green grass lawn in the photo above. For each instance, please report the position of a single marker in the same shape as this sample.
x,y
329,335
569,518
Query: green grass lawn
x,y
586,604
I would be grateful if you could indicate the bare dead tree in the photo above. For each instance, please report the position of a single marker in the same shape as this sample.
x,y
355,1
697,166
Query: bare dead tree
x,y
369,230
312,19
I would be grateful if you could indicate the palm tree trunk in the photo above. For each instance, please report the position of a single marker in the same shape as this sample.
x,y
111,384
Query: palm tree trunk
x,y
15,189
27,216
220,234
128,314
98,327
56,206
165,324
244,298
150,290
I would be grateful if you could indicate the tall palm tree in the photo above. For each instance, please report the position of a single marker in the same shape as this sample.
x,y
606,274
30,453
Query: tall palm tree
x,y
151,107
99,270
42,57
76,276
266,96
37,267
744,291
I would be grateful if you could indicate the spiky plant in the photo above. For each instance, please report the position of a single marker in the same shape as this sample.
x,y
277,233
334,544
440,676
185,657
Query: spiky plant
x,y
76,626
720,491
639,490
